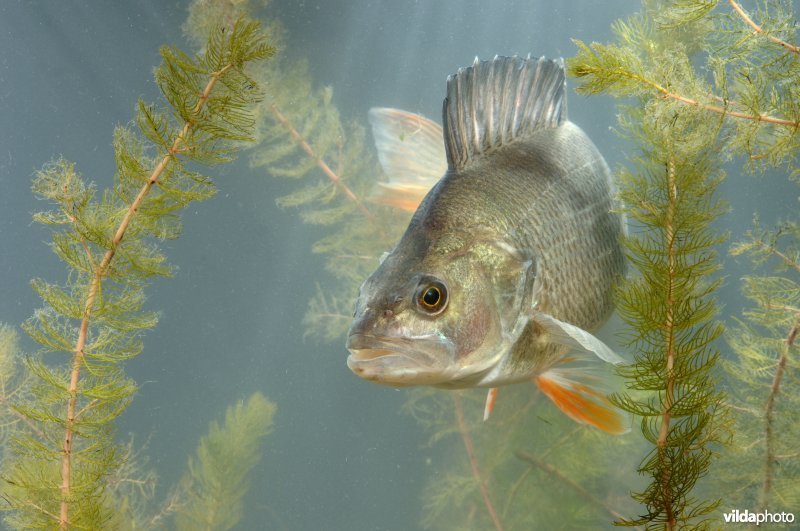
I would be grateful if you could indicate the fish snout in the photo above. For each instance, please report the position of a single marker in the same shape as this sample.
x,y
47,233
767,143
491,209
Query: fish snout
x,y
376,317
400,360
366,322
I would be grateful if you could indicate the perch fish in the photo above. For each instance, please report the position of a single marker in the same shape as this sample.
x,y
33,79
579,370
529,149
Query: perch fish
x,y
507,265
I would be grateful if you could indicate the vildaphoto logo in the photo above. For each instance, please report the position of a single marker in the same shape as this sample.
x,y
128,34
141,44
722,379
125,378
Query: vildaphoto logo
x,y
763,517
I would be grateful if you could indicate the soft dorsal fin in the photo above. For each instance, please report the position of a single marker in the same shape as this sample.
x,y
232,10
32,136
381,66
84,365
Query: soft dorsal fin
x,y
491,103
411,154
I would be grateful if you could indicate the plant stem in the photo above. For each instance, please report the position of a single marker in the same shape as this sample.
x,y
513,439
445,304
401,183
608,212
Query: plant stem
x,y
553,471
4,402
473,460
759,30
769,436
775,252
716,109
335,179
100,272
669,331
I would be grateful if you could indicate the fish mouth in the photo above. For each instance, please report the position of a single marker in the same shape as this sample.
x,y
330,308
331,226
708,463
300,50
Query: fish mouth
x,y
400,361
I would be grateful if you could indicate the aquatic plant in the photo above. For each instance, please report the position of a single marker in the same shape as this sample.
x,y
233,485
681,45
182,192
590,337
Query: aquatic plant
x,y
668,305
751,69
528,467
14,387
54,474
758,58
764,376
213,488
301,136
748,101
132,490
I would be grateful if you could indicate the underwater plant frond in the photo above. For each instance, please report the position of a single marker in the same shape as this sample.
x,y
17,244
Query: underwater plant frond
x,y
469,446
55,474
15,386
554,472
752,70
329,315
760,30
750,81
312,155
765,369
132,490
671,202
669,310
217,478
684,12
523,423
300,136
608,70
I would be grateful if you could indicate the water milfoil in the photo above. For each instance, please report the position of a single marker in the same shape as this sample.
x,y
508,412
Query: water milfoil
x,y
108,241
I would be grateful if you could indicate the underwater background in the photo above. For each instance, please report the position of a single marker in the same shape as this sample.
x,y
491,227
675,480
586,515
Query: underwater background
x,y
343,454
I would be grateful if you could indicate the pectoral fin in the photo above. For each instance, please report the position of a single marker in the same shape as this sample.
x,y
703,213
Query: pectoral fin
x,y
576,338
581,402
580,384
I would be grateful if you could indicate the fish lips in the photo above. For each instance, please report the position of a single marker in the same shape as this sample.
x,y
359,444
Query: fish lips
x,y
400,361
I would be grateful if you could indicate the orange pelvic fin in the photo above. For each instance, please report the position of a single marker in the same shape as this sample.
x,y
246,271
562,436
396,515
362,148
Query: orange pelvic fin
x,y
491,397
581,402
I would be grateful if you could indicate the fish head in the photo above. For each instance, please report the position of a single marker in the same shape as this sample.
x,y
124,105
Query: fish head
x,y
444,315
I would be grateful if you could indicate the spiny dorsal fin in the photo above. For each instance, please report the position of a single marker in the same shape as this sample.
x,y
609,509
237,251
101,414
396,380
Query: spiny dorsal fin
x,y
491,103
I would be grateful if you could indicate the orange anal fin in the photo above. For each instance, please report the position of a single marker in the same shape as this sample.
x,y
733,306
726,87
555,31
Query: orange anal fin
x,y
489,407
581,403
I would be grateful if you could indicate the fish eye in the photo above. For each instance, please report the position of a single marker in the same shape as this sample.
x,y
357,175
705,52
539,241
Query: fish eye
x,y
431,296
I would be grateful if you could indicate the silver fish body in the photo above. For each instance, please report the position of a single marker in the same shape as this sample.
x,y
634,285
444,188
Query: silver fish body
x,y
510,259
